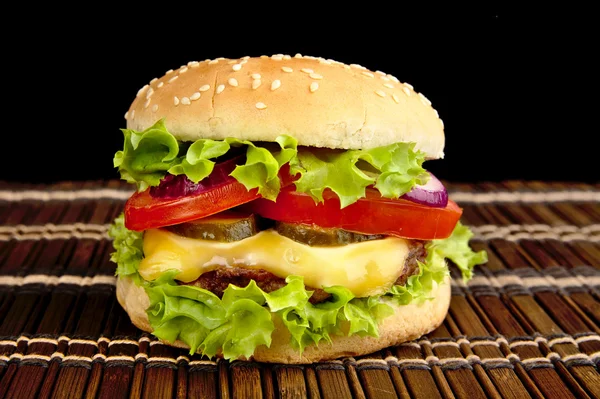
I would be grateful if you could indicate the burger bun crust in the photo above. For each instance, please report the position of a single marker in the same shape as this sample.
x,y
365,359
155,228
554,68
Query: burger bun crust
x,y
321,103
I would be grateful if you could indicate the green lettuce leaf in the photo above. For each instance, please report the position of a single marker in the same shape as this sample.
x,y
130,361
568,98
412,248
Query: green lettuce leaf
x,y
248,325
197,163
243,319
434,269
457,249
262,166
393,169
419,286
128,247
149,155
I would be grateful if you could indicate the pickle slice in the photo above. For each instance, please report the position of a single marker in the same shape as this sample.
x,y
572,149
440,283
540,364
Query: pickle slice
x,y
226,226
317,236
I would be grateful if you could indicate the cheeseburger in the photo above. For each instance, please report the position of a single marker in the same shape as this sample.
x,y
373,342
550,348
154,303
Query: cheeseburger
x,y
282,211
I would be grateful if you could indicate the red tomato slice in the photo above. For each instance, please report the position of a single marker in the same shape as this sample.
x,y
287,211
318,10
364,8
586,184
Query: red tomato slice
x,y
370,215
142,211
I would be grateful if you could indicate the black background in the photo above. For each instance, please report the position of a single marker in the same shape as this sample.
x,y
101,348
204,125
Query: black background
x,y
514,91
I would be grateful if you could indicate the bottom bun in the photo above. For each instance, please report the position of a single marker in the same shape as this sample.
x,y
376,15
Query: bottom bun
x,y
408,322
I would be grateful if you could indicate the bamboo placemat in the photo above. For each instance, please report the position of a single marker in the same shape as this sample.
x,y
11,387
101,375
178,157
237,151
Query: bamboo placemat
x,y
528,324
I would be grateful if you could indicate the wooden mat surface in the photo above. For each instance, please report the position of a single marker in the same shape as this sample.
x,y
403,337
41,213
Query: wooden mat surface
x,y
528,324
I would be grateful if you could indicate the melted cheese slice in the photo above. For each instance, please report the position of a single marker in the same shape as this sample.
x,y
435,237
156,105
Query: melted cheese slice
x,y
366,268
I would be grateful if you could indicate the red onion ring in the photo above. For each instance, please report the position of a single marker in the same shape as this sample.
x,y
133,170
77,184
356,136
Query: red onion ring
x,y
179,186
433,193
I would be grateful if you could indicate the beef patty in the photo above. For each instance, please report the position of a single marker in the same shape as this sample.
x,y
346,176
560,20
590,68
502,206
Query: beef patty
x,y
216,281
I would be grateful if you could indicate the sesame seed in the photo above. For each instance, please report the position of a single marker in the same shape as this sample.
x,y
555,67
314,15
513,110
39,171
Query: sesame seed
x,y
394,79
385,78
160,84
193,64
406,91
213,62
316,76
380,93
380,73
237,67
256,83
368,74
220,58
276,84
242,62
233,82
307,70
183,70
287,69
357,66
396,99
155,108
441,122
174,78
132,114
153,80
147,103
255,76
126,114
424,99
346,66
170,71
220,89
260,105
313,87
246,57
195,96
204,87
436,113
287,57
298,55
277,57
140,91
388,85
232,62
149,93
324,61
409,86
185,101
176,100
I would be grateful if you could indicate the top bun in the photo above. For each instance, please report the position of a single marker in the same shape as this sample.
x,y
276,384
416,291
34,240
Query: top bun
x,y
322,103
